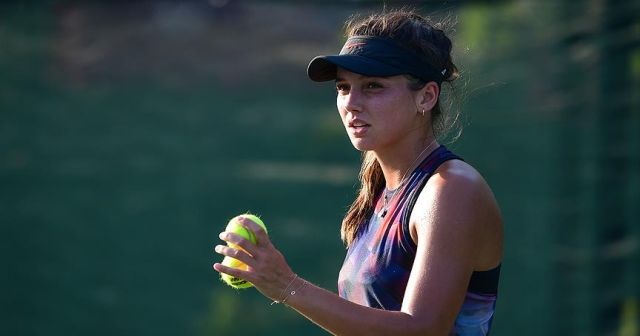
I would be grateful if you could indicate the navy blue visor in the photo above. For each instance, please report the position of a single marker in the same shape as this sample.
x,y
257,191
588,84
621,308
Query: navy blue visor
x,y
374,57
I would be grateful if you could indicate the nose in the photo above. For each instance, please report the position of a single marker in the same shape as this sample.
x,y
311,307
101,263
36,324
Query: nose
x,y
351,102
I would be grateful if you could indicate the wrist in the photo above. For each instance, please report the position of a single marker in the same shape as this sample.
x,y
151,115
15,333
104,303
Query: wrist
x,y
294,287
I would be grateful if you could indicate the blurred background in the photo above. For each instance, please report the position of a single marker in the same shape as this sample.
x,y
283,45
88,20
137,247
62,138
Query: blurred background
x,y
132,131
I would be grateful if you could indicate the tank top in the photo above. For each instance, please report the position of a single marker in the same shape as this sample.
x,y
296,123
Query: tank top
x,y
376,268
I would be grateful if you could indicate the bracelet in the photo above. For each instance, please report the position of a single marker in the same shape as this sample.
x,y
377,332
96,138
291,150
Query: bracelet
x,y
294,291
285,290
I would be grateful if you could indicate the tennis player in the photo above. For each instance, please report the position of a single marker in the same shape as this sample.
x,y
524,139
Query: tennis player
x,y
424,235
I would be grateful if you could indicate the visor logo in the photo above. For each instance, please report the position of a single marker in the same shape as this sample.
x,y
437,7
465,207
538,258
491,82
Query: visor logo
x,y
351,47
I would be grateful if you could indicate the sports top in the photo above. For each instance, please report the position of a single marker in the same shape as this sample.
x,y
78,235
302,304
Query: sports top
x,y
376,268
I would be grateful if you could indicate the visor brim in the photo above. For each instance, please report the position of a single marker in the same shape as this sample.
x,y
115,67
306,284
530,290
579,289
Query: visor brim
x,y
324,68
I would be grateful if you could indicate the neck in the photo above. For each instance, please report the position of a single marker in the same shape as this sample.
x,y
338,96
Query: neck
x,y
397,164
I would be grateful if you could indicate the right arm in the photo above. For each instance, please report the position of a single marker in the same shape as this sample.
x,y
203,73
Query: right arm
x,y
270,274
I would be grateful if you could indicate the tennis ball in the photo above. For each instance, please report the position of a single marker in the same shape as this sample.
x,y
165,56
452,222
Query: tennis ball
x,y
231,280
237,228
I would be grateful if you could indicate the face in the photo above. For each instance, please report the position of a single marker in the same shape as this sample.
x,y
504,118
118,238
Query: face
x,y
378,112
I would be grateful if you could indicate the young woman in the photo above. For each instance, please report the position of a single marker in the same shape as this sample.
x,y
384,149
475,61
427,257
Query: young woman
x,y
424,235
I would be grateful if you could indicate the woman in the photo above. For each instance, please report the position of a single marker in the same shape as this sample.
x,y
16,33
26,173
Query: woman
x,y
424,235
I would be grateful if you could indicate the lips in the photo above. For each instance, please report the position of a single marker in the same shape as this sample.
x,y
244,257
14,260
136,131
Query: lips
x,y
358,127
356,123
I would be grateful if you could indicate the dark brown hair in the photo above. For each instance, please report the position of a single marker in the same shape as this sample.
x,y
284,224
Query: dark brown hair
x,y
426,38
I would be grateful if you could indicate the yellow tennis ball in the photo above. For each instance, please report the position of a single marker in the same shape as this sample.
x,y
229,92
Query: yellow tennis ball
x,y
237,228
231,280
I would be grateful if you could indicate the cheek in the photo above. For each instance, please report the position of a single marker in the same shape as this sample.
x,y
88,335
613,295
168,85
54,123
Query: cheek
x,y
406,107
342,116
341,110
400,115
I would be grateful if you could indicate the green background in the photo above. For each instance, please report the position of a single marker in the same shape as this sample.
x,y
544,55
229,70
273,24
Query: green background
x,y
130,132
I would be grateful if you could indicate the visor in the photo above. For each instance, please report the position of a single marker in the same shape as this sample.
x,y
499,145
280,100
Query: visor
x,y
374,57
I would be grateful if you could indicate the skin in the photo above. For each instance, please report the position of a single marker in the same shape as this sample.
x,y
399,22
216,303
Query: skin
x,y
455,209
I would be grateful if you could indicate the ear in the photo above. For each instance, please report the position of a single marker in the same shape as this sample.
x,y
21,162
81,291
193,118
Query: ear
x,y
427,97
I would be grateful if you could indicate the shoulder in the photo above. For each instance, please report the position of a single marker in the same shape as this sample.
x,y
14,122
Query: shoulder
x,y
458,179
457,202
455,183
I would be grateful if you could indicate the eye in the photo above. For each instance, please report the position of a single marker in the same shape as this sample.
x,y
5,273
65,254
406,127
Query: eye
x,y
342,87
373,85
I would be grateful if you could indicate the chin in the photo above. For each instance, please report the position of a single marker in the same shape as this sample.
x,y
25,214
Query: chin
x,y
361,145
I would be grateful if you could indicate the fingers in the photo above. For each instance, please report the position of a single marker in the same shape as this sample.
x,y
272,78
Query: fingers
x,y
241,248
237,240
235,253
234,272
261,236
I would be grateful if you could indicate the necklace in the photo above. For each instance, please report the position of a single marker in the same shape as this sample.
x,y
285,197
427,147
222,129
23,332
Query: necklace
x,y
389,194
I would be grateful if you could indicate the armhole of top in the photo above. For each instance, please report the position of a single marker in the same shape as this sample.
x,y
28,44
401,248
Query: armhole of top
x,y
408,244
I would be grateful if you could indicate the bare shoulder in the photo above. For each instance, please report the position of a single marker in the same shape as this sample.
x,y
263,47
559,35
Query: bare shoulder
x,y
458,201
458,177
456,183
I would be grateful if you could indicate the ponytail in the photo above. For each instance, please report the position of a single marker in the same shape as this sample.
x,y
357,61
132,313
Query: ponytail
x,y
372,181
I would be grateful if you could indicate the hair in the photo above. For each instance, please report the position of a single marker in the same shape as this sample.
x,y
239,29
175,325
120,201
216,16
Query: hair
x,y
427,39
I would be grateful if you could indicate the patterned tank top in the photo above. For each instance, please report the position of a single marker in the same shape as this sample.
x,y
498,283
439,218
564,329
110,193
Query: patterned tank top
x,y
378,263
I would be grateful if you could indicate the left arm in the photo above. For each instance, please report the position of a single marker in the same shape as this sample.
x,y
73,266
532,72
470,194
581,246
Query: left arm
x,y
454,224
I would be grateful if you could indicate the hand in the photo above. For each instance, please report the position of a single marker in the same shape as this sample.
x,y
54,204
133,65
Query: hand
x,y
267,269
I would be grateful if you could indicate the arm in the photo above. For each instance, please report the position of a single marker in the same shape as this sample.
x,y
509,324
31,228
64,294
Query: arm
x,y
456,225
436,287
270,274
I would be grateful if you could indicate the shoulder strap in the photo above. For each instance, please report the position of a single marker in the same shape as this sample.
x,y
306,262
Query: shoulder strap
x,y
426,168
